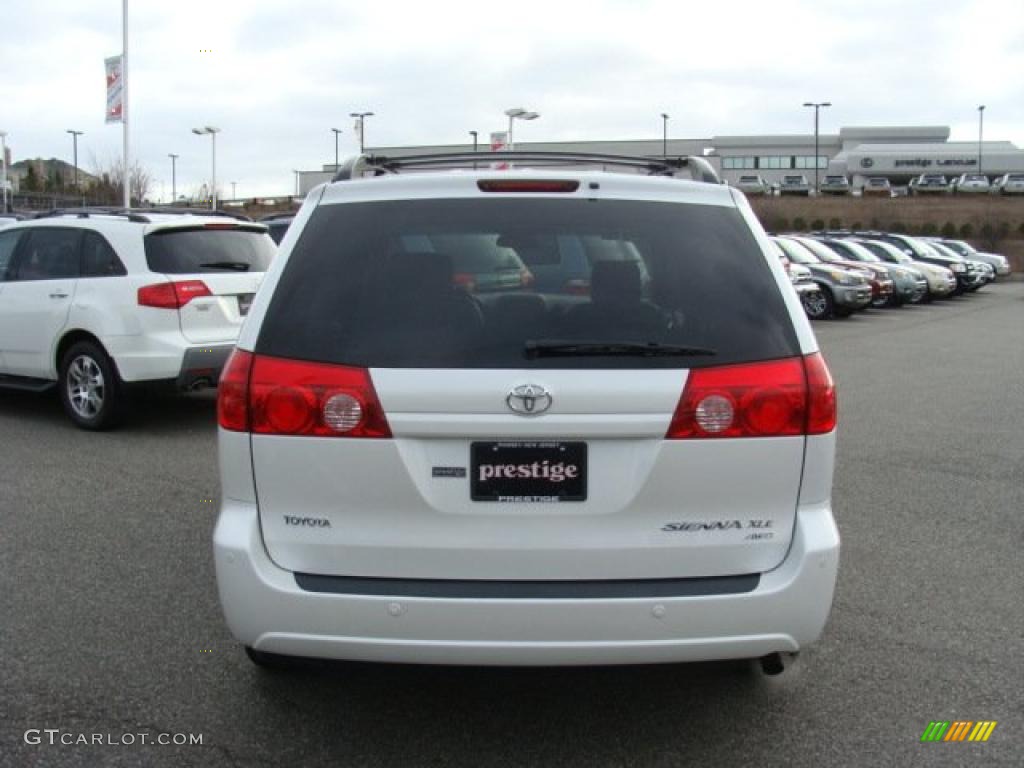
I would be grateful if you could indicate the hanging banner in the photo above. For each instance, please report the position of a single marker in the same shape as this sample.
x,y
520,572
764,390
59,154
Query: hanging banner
x,y
115,90
499,143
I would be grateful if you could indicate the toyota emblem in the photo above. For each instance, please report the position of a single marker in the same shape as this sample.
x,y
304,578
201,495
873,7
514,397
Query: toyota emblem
x,y
529,400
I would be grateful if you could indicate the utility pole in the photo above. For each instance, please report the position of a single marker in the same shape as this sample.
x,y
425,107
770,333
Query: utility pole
x,y
337,132
664,135
817,105
174,178
74,140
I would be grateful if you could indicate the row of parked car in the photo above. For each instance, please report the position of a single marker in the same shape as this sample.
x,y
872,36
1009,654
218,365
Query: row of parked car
x,y
926,183
839,273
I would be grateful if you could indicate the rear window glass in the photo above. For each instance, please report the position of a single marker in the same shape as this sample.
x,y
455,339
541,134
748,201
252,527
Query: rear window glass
x,y
188,251
466,283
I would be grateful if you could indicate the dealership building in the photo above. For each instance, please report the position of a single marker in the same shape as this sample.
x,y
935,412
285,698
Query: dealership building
x,y
897,153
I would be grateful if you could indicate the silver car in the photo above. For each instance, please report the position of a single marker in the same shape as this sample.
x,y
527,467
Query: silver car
x,y
795,184
971,183
1009,184
997,261
753,185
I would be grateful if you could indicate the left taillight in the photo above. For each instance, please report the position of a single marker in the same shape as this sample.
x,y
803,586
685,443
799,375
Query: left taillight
x,y
172,295
275,396
776,398
233,392
294,397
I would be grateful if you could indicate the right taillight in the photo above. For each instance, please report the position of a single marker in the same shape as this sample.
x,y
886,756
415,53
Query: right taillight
x,y
821,396
776,398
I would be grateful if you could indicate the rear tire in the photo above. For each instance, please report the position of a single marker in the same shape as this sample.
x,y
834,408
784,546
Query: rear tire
x,y
91,392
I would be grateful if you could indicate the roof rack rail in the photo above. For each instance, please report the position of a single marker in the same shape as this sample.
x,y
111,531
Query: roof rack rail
x,y
84,213
697,168
186,211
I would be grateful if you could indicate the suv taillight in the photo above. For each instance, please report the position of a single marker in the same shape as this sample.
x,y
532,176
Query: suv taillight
x,y
795,396
274,396
172,295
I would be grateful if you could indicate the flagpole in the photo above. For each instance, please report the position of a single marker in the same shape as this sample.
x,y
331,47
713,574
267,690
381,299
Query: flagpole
x,y
124,101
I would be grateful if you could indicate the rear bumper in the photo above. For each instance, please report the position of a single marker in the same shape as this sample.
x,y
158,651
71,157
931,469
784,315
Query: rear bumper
x,y
265,608
202,365
166,356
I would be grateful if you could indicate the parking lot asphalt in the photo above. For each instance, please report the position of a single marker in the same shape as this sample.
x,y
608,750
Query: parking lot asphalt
x,y
110,625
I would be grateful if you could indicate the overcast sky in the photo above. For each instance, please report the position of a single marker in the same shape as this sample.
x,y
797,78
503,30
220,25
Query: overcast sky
x,y
278,75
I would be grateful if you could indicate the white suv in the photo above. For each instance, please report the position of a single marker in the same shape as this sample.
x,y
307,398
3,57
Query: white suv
x,y
630,465
94,302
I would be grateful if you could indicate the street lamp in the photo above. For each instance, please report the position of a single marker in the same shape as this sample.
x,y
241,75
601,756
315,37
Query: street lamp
x,y
360,119
517,113
234,196
213,137
174,178
817,105
3,167
296,181
74,140
337,132
474,135
664,135
981,125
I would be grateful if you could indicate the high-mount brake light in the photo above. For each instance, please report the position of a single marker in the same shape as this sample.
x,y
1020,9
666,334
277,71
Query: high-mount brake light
x,y
527,185
776,398
172,295
220,225
293,397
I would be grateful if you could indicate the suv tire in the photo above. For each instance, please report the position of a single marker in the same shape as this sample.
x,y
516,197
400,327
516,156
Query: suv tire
x,y
90,390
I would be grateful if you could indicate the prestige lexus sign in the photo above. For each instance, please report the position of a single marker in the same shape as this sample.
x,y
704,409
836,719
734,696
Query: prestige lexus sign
x,y
923,162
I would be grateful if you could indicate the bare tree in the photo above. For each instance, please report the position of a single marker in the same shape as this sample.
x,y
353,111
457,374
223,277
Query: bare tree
x,y
110,187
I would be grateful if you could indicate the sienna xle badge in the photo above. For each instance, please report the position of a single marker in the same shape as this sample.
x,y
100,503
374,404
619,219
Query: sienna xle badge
x,y
624,455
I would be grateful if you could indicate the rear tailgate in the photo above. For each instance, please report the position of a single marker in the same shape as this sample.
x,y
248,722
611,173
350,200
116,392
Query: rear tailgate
x,y
647,507
222,264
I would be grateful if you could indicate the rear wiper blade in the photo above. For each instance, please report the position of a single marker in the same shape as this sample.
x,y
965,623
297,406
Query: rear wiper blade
x,y
554,348
238,266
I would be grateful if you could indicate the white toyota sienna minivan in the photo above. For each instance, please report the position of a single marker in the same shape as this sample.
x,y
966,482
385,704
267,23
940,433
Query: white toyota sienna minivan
x,y
548,414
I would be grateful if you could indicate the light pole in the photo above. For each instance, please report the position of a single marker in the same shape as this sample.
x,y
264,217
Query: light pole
x,y
817,105
174,178
213,136
474,135
233,195
296,181
74,140
3,165
981,126
664,135
360,119
337,132
517,113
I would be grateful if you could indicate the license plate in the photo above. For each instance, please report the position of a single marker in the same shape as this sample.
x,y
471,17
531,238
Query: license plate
x,y
528,472
244,302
